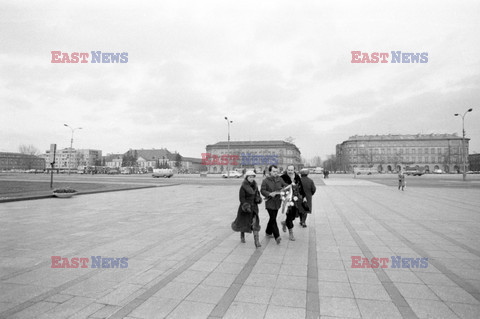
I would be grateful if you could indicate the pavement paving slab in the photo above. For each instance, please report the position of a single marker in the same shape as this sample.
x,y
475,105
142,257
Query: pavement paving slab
x,y
182,260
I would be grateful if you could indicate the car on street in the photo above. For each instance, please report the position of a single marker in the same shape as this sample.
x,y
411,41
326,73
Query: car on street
x,y
414,171
437,171
162,172
232,174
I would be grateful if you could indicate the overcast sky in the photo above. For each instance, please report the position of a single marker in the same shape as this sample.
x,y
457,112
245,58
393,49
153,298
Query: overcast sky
x,y
276,68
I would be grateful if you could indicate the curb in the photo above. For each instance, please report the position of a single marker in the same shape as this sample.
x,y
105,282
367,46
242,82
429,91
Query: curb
x,y
17,199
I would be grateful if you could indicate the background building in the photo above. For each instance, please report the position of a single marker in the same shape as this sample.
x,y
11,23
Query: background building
x,y
191,164
474,162
286,153
389,152
112,160
150,158
70,158
18,161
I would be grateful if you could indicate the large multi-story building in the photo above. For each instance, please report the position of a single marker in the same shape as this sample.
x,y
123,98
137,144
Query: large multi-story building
x,y
256,155
474,162
17,161
70,158
388,153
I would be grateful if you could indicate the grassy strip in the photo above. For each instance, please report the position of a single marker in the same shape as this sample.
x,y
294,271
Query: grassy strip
x,y
24,189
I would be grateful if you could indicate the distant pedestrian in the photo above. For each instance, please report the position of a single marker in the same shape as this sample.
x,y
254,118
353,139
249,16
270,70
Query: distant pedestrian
x,y
271,187
247,215
309,189
292,178
401,180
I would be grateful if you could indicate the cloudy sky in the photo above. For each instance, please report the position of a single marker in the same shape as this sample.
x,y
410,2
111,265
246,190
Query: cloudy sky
x,y
276,68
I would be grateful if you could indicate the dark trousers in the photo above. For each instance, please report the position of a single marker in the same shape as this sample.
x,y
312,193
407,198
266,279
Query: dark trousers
x,y
272,227
291,215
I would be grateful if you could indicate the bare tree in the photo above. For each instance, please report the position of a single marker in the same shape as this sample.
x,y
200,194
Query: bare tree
x,y
316,161
331,163
28,149
304,161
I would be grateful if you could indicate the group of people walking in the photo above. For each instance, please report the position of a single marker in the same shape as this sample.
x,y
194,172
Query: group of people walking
x,y
272,186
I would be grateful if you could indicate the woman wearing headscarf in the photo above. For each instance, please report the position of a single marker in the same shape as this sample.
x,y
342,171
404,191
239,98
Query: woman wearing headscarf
x,y
247,215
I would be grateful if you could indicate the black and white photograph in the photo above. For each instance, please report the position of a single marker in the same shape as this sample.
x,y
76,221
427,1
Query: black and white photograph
x,y
239,159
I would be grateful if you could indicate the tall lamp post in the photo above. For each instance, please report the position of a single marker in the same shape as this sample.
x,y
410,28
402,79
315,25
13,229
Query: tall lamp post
x,y
228,146
463,142
71,146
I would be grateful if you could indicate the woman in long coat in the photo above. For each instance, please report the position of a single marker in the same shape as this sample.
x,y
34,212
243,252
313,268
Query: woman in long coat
x,y
247,215
309,189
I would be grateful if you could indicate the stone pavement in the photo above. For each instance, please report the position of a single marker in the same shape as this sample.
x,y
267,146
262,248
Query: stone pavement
x,y
185,262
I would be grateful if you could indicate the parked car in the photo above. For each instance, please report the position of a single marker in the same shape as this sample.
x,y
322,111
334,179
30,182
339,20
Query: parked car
x,y
232,174
162,172
365,170
437,171
414,171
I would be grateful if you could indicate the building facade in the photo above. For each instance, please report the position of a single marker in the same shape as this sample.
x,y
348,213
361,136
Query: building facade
x,y
387,153
17,161
150,158
191,164
256,155
112,160
474,162
70,158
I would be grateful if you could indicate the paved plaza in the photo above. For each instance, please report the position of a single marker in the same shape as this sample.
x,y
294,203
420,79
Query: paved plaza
x,y
184,261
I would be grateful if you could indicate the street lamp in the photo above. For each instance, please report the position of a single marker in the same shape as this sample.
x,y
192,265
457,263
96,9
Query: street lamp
x,y
228,146
71,145
463,142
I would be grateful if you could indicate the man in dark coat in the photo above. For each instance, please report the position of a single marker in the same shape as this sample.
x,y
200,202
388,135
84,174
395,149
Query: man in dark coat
x,y
271,187
292,178
309,189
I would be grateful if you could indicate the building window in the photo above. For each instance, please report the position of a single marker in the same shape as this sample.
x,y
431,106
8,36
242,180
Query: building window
x,y
432,150
413,151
